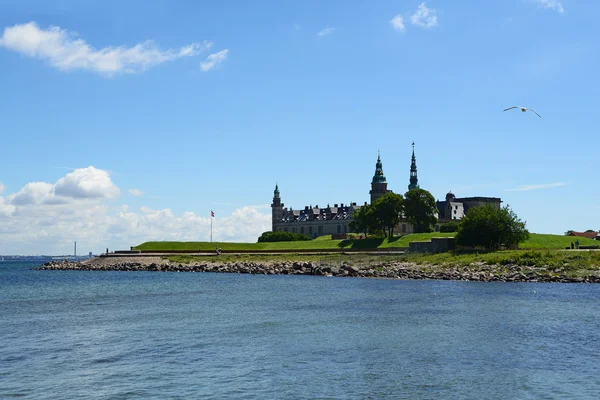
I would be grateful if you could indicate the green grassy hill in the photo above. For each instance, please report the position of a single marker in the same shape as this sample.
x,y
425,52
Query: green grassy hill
x,y
545,241
536,241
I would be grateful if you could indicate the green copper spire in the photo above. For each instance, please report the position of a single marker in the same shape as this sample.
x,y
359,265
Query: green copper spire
x,y
379,177
414,181
276,192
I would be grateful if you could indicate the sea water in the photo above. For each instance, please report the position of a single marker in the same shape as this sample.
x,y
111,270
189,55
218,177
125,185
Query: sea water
x,y
160,335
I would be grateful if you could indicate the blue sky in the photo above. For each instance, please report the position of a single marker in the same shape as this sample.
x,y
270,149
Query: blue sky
x,y
128,121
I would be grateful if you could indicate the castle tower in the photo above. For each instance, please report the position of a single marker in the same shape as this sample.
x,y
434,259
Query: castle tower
x,y
414,182
276,209
378,184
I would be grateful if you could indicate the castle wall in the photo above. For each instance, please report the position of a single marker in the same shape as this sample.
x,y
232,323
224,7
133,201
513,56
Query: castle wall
x,y
314,228
436,245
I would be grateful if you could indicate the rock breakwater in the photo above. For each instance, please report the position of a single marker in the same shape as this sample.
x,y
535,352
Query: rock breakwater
x,y
394,270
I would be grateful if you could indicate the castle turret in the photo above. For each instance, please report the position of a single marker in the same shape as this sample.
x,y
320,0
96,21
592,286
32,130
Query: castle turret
x,y
276,209
414,181
379,183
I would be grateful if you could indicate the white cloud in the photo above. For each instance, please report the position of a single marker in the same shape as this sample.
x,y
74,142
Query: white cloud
x,y
424,17
2,187
325,31
32,193
136,192
398,23
555,5
81,184
213,60
87,183
37,220
66,51
524,188
6,209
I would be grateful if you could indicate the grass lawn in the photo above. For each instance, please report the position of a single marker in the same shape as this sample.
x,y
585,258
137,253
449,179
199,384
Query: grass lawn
x,y
322,242
543,262
544,241
536,241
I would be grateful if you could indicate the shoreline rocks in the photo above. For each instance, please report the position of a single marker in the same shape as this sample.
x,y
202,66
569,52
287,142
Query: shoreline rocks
x,y
394,270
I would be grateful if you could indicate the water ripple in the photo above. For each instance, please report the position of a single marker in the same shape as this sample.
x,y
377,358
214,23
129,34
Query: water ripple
x,y
214,336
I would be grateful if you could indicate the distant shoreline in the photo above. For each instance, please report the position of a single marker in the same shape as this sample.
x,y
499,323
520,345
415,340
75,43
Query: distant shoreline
x,y
480,272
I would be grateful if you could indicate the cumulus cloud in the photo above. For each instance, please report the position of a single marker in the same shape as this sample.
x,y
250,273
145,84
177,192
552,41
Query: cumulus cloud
x,y
37,220
86,183
213,60
524,188
66,51
136,192
2,187
555,5
32,193
424,17
325,31
6,209
398,23
83,183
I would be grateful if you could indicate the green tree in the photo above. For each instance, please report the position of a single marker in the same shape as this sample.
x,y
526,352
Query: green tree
x,y
388,209
420,210
451,226
364,220
491,228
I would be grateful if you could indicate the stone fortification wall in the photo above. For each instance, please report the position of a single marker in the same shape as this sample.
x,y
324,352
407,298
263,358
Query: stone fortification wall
x,y
436,245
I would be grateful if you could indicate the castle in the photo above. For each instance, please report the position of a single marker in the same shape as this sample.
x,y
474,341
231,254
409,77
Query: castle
x,y
316,221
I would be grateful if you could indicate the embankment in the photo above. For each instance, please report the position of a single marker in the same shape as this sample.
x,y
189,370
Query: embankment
x,y
390,270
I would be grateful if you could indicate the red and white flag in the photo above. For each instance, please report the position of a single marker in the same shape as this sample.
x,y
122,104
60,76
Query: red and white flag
x,y
212,213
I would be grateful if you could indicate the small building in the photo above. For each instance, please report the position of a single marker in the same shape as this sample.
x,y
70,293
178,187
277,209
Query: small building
x,y
455,208
590,235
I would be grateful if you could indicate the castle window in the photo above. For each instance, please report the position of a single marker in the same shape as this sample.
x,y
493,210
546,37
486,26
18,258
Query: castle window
x,y
302,230
320,229
403,228
339,229
310,230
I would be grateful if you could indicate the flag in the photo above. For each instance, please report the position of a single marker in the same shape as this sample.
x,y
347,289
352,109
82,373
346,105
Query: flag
x,y
212,213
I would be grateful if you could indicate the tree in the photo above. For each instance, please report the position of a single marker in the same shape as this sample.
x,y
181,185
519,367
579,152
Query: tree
x,y
451,226
364,220
420,210
388,209
491,228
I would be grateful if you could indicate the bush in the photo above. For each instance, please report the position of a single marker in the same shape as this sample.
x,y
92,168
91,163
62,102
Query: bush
x,y
282,237
491,228
449,227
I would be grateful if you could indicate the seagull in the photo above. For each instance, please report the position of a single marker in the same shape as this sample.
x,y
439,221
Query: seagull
x,y
524,109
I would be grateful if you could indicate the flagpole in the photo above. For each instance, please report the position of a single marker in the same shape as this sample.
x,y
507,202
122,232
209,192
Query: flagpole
x,y
211,218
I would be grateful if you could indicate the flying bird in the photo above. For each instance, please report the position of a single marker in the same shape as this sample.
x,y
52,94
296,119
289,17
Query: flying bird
x,y
524,109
